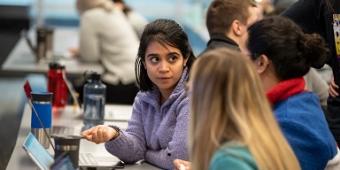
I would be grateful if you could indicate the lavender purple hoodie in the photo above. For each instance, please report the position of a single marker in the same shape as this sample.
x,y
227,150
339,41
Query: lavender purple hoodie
x,y
156,133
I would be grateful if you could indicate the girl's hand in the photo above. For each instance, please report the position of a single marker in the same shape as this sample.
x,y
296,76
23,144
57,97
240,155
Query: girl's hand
x,y
182,165
100,134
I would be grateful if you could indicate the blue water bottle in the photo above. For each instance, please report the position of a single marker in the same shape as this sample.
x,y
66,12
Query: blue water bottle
x,y
42,103
94,100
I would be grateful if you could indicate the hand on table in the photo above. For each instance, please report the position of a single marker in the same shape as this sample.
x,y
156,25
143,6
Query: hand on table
x,y
74,51
182,164
100,134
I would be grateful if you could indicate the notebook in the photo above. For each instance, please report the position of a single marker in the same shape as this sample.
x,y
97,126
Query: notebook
x,y
42,158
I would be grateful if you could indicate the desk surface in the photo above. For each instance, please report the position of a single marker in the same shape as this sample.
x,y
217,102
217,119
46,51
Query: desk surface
x,y
20,160
21,60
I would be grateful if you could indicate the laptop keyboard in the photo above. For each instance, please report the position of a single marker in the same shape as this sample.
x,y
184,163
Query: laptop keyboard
x,y
87,159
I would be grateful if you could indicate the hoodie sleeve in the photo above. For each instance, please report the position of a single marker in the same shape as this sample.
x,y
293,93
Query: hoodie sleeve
x,y
130,145
177,147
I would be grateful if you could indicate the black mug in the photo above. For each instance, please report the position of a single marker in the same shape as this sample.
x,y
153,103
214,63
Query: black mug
x,y
68,145
44,43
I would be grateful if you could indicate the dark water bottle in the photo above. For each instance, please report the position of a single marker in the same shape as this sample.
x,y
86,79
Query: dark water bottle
x,y
94,100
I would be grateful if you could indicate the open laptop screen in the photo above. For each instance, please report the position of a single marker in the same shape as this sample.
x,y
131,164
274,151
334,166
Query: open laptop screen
x,y
44,160
37,152
63,163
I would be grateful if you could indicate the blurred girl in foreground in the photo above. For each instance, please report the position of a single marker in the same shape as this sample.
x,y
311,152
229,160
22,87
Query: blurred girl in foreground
x,y
232,124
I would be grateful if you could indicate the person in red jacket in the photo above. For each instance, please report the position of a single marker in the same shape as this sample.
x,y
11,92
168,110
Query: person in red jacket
x,y
317,16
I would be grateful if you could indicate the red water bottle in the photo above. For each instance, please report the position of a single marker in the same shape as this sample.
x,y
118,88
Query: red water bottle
x,y
52,78
61,88
57,85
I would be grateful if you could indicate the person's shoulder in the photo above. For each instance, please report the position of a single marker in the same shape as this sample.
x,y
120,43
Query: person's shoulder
x,y
180,100
304,101
94,16
149,97
141,95
233,156
93,12
136,16
100,13
302,109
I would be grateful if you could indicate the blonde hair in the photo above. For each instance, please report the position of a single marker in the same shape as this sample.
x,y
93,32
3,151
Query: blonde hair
x,y
229,104
84,5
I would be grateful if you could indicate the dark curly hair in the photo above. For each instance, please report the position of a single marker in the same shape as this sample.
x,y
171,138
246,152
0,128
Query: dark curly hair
x,y
291,51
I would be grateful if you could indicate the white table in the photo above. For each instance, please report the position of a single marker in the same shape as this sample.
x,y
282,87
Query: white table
x,y
20,160
22,61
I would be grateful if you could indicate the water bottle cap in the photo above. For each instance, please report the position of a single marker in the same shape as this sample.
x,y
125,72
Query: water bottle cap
x,y
41,97
54,65
95,76
92,76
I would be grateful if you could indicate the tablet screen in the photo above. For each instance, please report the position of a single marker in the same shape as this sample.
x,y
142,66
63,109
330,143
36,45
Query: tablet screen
x,y
37,152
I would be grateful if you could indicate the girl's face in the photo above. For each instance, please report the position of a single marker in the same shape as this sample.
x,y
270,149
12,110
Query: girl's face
x,y
164,65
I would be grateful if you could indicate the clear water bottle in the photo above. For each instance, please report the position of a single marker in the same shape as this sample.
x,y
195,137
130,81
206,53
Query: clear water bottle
x,y
94,100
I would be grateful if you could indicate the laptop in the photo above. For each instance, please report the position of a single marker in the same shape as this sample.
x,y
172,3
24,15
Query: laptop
x,y
44,160
63,162
37,152
118,113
